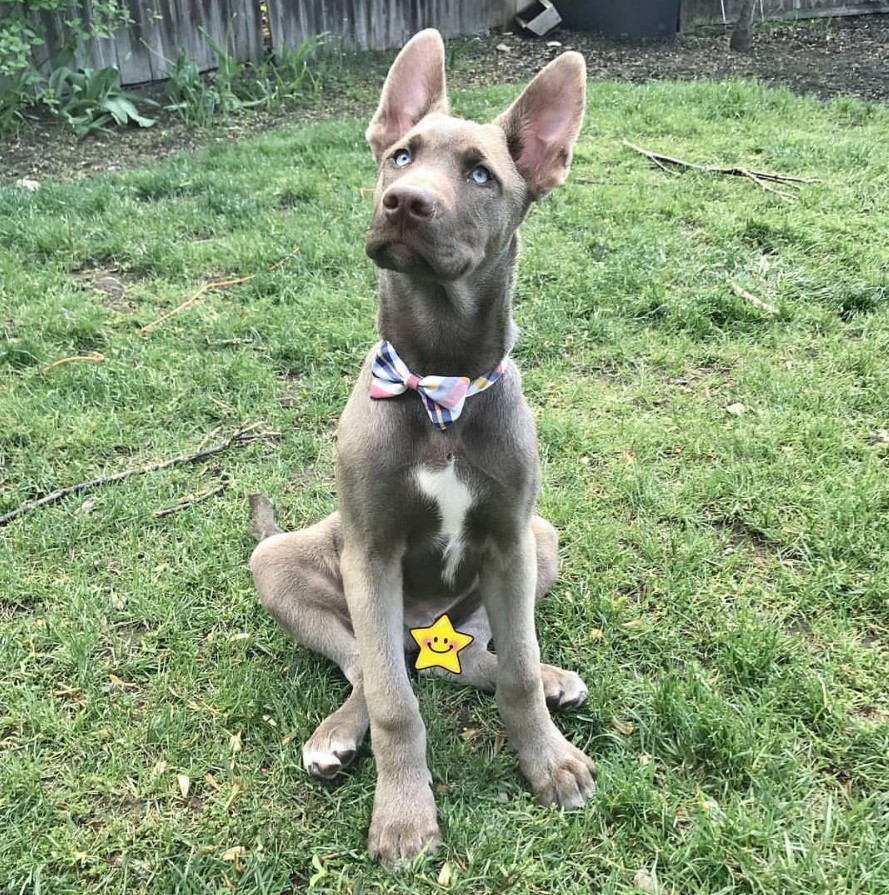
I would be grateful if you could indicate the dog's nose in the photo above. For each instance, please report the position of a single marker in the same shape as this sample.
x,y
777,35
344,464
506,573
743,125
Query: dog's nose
x,y
410,204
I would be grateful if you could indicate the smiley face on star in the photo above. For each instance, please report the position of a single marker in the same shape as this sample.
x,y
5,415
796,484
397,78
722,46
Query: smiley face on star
x,y
440,644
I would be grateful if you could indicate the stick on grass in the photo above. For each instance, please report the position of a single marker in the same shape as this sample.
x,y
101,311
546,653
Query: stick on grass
x,y
216,284
242,436
94,358
752,299
763,179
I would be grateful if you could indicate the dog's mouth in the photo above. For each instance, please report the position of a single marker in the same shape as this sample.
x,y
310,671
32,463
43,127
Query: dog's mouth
x,y
402,253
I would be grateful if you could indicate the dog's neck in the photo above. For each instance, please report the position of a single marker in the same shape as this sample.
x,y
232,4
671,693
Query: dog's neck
x,y
462,328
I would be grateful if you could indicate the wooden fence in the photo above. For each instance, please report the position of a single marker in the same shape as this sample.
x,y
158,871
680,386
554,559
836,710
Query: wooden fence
x,y
160,30
717,12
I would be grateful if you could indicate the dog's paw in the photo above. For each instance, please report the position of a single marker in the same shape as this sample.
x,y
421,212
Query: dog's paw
x,y
403,825
331,748
563,689
559,774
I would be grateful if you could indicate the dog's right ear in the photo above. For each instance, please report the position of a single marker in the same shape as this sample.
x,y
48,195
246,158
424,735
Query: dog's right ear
x,y
415,86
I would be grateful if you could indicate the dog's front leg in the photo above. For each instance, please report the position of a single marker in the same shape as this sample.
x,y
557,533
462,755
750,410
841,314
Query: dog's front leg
x,y
403,823
558,772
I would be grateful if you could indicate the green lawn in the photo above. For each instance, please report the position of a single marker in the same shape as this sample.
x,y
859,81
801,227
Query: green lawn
x,y
724,575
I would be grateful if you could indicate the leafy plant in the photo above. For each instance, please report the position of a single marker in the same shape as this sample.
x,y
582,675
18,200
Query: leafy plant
x,y
89,100
23,28
197,97
190,94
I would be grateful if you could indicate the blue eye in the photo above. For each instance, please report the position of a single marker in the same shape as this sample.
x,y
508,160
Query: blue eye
x,y
480,174
401,158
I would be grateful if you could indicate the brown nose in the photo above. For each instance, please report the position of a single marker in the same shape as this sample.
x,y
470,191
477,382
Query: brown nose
x,y
408,204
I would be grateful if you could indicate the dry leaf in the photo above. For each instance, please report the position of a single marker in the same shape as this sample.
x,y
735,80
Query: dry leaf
x,y
235,743
470,733
442,788
239,635
237,789
212,781
234,854
499,742
444,875
735,409
501,48
881,436
160,767
596,634
624,728
184,784
645,882
632,625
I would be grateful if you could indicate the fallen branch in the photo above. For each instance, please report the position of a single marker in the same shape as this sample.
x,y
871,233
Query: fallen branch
x,y
245,435
763,179
216,284
191,501
94,358
752,299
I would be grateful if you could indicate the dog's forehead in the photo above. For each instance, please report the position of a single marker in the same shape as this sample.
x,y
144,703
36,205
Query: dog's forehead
x,y
444,132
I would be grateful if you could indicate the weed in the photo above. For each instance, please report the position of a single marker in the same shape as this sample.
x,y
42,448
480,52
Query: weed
x,y
89,100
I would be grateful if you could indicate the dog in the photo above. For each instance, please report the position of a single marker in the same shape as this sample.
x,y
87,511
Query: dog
x,y
437,467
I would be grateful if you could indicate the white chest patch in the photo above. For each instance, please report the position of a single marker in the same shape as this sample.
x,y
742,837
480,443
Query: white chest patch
x,y
453,499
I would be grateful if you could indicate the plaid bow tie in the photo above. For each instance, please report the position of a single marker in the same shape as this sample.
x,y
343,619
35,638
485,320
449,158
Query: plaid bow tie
x,y
443,396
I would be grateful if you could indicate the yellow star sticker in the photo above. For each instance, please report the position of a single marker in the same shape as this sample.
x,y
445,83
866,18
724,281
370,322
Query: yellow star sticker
x,y
439,645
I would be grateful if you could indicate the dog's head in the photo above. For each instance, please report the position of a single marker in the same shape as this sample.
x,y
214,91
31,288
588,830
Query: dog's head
x,y
451,193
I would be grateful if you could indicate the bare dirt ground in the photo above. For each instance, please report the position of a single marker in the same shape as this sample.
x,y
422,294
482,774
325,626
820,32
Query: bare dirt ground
x,y
827,57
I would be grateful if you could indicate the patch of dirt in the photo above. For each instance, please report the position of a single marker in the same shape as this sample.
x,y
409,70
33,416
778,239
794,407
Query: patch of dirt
x,y
827,57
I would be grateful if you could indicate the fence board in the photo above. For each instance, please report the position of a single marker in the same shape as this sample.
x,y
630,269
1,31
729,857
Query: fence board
x,y
710,12
147,49
377,24
160,30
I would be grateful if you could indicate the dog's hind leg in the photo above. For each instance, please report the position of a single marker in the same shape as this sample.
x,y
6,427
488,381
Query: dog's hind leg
x,y
478,665
298,578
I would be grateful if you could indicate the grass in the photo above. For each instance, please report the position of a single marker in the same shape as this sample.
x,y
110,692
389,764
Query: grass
x,y
723,586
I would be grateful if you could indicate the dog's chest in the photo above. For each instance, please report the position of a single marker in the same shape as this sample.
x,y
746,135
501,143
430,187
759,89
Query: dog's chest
x,y
452,498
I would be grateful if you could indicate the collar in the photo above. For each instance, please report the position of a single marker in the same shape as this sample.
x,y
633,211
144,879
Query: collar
x,y
443,396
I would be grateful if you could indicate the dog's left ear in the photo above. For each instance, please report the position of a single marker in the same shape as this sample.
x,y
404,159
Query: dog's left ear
x,y
415,86
542,124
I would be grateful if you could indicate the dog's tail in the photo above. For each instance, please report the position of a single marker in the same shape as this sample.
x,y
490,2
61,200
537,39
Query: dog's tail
x,y
262,517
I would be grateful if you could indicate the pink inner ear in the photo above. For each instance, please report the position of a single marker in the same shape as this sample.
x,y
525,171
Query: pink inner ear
x,y
538,152
542,124
414,87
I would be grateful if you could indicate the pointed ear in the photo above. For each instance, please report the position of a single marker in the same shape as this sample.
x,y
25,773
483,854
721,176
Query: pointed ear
x,y
415,86
542,124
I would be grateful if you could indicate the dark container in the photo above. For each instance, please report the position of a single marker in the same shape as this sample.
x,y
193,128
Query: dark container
x,y
630,19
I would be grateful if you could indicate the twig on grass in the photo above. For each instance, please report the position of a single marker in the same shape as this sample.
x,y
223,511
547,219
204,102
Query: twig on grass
x,y
216,284
191,500
752,299
93,358
242,436
763,179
